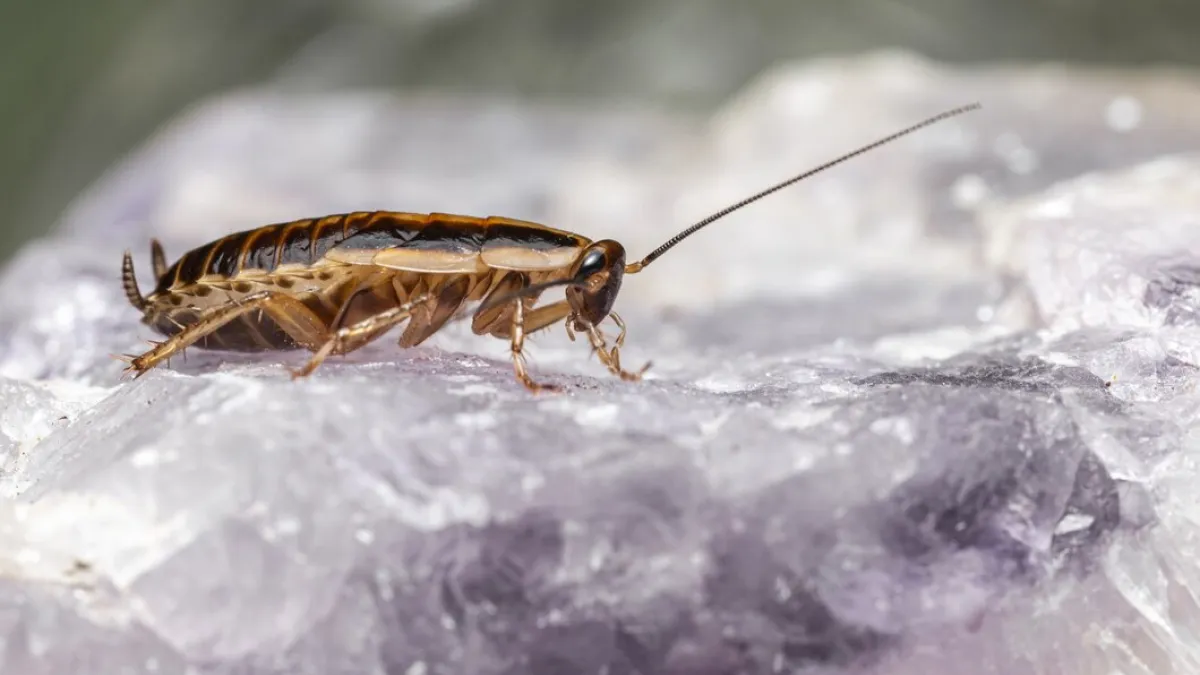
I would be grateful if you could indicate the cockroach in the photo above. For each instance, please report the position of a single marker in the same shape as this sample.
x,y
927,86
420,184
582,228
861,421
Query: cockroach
x,y
332,285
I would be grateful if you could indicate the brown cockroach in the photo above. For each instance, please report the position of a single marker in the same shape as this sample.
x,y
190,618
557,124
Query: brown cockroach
x,y
334,284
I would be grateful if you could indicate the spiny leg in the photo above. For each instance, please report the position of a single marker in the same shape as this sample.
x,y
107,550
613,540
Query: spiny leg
x,y
620,341
486,321
293,317
611,358
536,319
365,287
547,315
358,335
518,343
517,319
497,321
431,315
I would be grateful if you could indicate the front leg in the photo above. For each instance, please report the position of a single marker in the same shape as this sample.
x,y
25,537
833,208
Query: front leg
x,y
611,358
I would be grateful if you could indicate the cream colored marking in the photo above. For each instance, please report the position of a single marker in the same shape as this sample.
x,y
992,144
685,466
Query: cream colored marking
x,y
303,277
351,256
412,260
296,273
252,274
301,268
528,259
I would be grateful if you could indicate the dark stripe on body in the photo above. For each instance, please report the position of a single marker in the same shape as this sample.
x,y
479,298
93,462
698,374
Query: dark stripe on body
x,y
265,248
186,270
506,234
225,255
304,242
382,230
294,244
457,234
261,248
444,234
327,233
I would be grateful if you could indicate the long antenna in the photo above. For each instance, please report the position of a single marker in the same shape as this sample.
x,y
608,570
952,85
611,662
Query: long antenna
x,y
638,266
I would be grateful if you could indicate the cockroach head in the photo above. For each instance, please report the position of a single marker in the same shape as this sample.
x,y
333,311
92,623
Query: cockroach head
x,y
596,280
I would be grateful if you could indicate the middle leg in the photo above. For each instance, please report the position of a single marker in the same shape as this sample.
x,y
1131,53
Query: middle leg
x,y
514,320
359,335
536,319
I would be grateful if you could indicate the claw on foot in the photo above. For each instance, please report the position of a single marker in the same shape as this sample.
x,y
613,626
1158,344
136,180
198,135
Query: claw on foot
x,y
133,371
301,373
625,374
317,359
539,388
134,368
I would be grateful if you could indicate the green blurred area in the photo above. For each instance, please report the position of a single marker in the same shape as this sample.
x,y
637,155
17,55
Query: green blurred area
x,y
83,83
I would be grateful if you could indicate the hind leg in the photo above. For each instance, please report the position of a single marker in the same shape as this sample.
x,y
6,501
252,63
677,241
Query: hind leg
x,y
296,319
359,335
430,316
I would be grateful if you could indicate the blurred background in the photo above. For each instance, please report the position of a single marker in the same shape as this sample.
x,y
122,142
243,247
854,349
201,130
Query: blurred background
x,y
83,83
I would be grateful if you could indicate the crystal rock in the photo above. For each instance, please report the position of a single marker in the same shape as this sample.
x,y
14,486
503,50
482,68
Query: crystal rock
x,y
946,429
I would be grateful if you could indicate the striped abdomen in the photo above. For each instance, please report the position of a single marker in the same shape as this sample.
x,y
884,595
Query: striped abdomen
x,y
433,243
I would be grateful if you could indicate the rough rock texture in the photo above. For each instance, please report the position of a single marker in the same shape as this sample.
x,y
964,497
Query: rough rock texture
x,y
928,413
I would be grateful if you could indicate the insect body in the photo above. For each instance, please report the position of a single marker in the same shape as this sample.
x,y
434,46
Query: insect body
x,y
335,284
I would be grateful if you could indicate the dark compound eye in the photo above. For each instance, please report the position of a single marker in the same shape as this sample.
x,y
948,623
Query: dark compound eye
x,y
593,261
